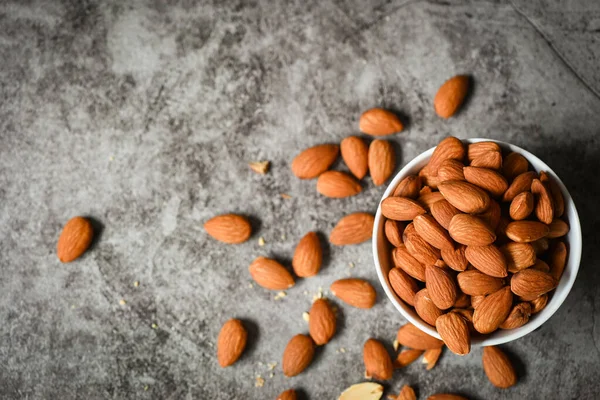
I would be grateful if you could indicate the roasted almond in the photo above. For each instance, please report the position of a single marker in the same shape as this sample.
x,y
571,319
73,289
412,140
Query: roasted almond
x,y
414,338
441,287
404,260
492,215
407,357
420,249
425,307
378,363
492,311
514,164
432,232
522,183
498,368
321,324
408,187
404,286
471,231
298,355
401,208
382,161
352,229
427,200
289,394
450,148
465,196
475,283
229,228
490,159
337,184
519,316
270,274
487,259
538,304
544,207
231,342
379,122
431,357
77,235
558,228
308,256
451,170
355,292
557,197
521,206
443,212
393,232
518,255
355,154
526,231
315,160
363,391
558,260
531,283
451,95
487,179
475,150
454,330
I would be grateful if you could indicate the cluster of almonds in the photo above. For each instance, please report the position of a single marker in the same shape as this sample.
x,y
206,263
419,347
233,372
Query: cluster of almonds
x,y
476,248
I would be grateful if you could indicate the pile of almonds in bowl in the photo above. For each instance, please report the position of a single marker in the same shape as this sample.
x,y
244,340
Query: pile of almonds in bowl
x,y
477,243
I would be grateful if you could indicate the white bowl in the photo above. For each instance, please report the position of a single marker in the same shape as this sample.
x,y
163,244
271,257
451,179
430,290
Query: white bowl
x,y
381,253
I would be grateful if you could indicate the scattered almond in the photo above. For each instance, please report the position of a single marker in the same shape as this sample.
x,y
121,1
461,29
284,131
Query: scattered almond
x,y
431,357
231,342
287,395
352,229
521,206
229,228
378,363
403,285
414,338
451,95
498,367
270,274
408,187
363,391
315,160
355,292
337,184
379,122
407,393
321,324
382,161
407,357
401,208
308,256
74,240
297,355
471,231
454,330
493,311
465,196
355,154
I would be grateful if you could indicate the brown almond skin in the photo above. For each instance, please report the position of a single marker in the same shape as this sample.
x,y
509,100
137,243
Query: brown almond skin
x,y
393,232
465,196
441,287
270,274
521,206
407,357
519,316
297,355
229,228
355,292
453,328
443,212
541,266
432,232
404,285
490,159
514,165
538,304
456,258
74,240
471,231
408,187
475,283
557,197
462,300
526,231
450,96
336,184
518,255
382,161
449,148
412,337
420,249
308,256
544,207
404,260
401,208
352,229
487,259
498,367
451,170
231,342
493,311
425,307
532,283
522,183
475,150
379,122
558,228
315,160
487,179
427,177
476,300
378,363
558,260
492,215
289,394
355,154
322,323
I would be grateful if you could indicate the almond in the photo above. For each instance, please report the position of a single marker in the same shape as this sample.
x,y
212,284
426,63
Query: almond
x,y
498,368
382,161
420,249
465,196
449,148
514,165
407,357
538,304
429,199
492,311
355,292
404,286
521,206
355,154
492,215
401,208
352,229
414,338
298,355
229,228
231,342
544,207
445,396
462,300
526,231
557,197
408,187
541,266
478,149
558,260
451,95
321,324
522,183
454,330
540,246
427,177
337,184
475,283
476,300
74,239
451,170
404,260
378,363
287,395
379,122
315,160
441,287
519,316
558,228
363,391
308,256
443,212
518,256
471,231
431,357
407,393
490,159
270,274
425,307
393,232
487,259
432,232
487,179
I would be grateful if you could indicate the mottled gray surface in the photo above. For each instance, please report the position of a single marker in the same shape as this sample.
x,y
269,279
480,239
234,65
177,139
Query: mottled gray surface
x,y
144,115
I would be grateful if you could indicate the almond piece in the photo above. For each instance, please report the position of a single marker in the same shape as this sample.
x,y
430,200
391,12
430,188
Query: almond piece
x,y
355,292
490,159
492,215
514,165
379,122
355,154
443,212
522,183
558,260
456,258
287,395
382,161
270,274
492,311
487,179
231,342
229,228
471,231
538,304
462,300
432,232
407,357
558,228
541,245
465,196
404,260
363,391
541,266
454,330
260,167
451,95
401,208
521,206
476,300
519,316
475,150
393,232
518,256
408,187
420,249
451,170
544,207
487,259
414,338
315,160
429,199
76,237
427,177
404,286
450,148
498,367
441,287
475,283
526,231
298,355
352,229
431,357
378,363
425,307
337,184
407,393
557,197
321,324
308,256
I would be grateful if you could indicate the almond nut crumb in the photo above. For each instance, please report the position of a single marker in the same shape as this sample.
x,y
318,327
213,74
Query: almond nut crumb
x,y
286,196
342,350
250,285
271,375
122,302
305,292
351,264
305,316
260,167
136,283
396,344
271,366
259,381
154,326
261,241
279,296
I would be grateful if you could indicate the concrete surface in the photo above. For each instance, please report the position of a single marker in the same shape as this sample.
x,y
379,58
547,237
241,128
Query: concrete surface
x,y
144,115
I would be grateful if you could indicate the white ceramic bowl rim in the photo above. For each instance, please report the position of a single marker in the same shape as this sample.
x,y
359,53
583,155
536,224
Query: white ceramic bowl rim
x,y
573,238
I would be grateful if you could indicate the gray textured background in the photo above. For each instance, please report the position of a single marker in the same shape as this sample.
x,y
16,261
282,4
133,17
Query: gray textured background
x,y
144,115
